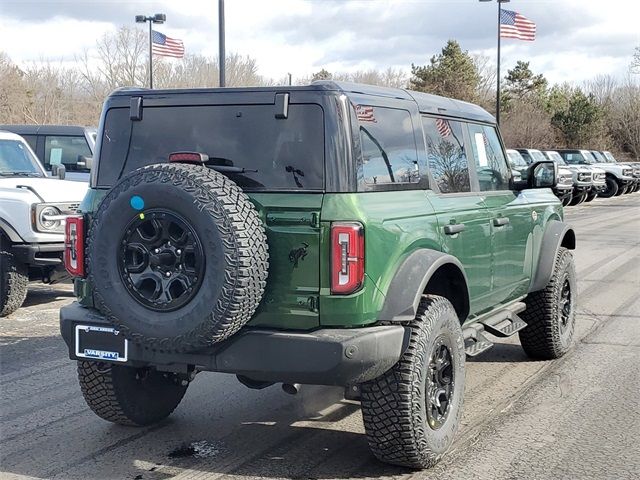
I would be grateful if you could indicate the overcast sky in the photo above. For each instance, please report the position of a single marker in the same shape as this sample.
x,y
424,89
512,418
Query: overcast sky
x,y
577,39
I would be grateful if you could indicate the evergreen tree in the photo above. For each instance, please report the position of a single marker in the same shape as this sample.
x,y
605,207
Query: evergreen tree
x,y
452,73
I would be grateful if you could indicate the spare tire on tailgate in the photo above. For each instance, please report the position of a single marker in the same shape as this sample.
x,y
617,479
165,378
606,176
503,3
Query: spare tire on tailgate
x,y
177,257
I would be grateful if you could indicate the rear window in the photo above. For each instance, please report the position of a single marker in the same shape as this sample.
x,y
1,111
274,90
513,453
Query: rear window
x,y
279,154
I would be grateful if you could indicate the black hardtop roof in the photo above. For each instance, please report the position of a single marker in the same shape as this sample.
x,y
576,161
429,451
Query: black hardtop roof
x,y
427,103
46,129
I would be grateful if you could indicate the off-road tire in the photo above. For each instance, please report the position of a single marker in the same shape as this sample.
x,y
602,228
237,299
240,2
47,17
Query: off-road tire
x,y
621,190
234,247
545,337
394,405
129,396
591,196
611,190
14,281
567,200
577,200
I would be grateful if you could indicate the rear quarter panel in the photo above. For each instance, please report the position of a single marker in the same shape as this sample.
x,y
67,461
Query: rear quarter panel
x,y
396,224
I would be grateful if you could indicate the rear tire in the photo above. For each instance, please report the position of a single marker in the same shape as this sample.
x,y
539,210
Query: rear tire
x,y
411,413
14,281
127,395
550,313
611,190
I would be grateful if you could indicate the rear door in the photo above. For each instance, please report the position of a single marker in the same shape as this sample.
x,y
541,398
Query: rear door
x,y
509,212
463,219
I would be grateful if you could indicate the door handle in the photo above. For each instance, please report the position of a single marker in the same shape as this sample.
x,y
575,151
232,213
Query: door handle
x,y
500,221
452,229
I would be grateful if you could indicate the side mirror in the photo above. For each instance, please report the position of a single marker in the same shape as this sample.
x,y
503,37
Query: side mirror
x,y
543,174
84,162
58,171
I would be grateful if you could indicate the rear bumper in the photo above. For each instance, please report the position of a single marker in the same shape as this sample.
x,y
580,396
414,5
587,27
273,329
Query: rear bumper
x,y
320,357
39,254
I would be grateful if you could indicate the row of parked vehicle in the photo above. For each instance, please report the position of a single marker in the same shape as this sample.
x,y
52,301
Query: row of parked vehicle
x,y
582,174
34,205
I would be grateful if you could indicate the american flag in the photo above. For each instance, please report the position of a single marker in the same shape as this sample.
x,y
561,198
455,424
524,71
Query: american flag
x,y
166,46
514,25
365,114
444,129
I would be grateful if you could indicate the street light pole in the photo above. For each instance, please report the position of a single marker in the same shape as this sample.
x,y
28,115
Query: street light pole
x,y
157,18
221,53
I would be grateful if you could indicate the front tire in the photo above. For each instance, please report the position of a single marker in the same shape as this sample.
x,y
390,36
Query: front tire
x,y
129,396
14,281
577,200
611,190
550,313
412,412
591,196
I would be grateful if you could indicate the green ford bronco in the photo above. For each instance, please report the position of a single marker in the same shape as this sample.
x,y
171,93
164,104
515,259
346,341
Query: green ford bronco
x,y
330,234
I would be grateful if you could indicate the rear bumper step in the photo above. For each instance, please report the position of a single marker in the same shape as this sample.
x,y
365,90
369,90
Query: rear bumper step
x,y
321,357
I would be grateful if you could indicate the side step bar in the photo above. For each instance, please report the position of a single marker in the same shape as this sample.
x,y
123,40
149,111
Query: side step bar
x,y
501,324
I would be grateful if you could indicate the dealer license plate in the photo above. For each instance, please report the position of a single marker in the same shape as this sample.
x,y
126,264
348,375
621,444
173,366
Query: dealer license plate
x,y
101,343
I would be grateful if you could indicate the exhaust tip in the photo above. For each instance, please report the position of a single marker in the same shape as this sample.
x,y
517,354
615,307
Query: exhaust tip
x,y
291,388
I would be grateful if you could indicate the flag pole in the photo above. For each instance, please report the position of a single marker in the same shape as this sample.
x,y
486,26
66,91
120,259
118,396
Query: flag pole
x,y
221,55
498,72
150,55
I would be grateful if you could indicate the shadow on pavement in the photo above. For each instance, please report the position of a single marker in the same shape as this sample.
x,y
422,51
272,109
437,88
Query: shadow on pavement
x,y
42,294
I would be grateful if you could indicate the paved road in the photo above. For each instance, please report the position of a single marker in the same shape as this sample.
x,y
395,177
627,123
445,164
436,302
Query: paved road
x,y
578,417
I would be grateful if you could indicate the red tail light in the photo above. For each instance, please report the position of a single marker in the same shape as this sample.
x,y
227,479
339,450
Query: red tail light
x,y
188,157
74,246
347,257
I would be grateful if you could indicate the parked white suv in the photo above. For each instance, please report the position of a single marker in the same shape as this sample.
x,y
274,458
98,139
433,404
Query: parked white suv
x,y
33,209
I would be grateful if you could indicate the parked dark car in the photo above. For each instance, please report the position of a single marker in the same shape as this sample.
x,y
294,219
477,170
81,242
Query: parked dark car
x,y
68,145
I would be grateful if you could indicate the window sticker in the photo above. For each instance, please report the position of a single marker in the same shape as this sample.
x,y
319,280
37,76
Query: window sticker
x,y
482,150
55,156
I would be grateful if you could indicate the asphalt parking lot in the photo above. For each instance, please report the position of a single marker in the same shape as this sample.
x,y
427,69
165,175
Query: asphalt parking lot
x,y
578,417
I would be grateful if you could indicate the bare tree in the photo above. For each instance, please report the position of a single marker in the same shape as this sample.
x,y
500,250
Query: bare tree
x,y
625,117
527,125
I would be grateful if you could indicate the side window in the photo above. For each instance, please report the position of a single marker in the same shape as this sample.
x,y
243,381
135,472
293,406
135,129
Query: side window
x,y
389,152
446,154
65,150
526,156
491,164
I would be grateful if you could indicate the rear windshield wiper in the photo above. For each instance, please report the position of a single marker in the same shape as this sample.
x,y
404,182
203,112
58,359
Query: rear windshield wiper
x,y
229,169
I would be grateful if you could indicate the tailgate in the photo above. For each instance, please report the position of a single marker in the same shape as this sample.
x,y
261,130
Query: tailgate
x,y
293,231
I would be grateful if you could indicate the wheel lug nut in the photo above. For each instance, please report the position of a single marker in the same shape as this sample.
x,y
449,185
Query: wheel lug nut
x,y
178,251
157,250
168,274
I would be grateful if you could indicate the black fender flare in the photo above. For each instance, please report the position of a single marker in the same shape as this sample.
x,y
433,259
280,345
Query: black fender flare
x,y
410,281
10,232
557,234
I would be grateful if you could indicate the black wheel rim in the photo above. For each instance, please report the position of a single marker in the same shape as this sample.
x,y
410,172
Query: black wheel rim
x,y
565,304
440,383
161,261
